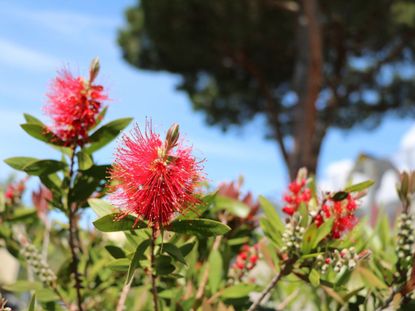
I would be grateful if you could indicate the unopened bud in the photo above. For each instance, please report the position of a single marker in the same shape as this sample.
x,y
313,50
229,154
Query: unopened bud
x,y
94,69
172,136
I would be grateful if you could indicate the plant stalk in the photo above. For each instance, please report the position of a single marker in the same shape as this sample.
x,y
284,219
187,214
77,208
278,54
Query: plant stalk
x,y
286,269
153,275
73,244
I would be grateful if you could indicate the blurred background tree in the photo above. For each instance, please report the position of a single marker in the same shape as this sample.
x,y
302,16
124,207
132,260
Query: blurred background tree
x,y
305,65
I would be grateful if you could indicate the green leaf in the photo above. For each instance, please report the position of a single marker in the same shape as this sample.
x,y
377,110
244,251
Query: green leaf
x,y
121,264
19,163
308,239
101,207
115,251
135,261
360,186
271,214
163,265
32,303
314,277
22,286
22,213
87,182
84,160
40,132
46,295
238,291
105,134
235,207
110,223
175,252
31,119
270,231
215,270
200,227
322,231
185,249
44,167
340,196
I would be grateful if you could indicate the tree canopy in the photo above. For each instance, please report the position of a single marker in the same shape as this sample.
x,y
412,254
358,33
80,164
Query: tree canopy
x,y
306,65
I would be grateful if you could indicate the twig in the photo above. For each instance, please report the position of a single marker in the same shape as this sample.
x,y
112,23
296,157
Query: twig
x,y
153,275
286,269
123,297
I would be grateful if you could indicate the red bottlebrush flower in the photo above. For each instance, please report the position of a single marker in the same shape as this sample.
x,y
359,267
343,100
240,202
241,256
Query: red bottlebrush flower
x,y
298,193
73,105
343,214
155,179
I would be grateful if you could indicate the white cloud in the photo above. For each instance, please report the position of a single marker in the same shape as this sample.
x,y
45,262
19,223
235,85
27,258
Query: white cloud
x,y
15,55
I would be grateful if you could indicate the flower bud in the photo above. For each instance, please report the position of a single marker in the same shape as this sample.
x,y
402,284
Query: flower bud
x,y
94,69
172,136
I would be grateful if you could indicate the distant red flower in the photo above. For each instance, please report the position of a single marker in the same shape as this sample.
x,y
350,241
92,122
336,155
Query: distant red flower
x,y
14,192
155,179
73,105
41,199
298,193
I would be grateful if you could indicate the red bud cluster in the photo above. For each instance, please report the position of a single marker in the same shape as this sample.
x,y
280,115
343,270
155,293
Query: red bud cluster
x,y
298,193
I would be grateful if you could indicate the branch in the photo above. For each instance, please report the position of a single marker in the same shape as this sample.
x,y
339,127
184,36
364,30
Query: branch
x,y
285,269
153,275
73,245
123,297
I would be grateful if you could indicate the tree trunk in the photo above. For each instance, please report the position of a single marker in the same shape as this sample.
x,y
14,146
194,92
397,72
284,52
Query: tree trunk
x,y
308,132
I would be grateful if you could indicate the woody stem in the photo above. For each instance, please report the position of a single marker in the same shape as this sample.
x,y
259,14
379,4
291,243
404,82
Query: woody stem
x,y
153,274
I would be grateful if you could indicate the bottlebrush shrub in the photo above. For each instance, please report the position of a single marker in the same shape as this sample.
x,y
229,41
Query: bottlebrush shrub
x,y
165,240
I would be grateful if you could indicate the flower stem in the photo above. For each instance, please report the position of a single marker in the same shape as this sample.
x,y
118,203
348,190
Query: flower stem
x,y
123,297
153,275
286,269
73,244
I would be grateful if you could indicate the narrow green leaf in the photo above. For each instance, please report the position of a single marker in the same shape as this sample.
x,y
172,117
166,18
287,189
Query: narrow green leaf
x,y
271,214
44,167
46,295
200,227
270,231
322,232
105,134
135,261
110,223
84,160
19,163
175,252
164,265
314,277
215,270
101,207
32,303
360,186
308,239
235,207
40,132
121,264
22,213
22,286
115,251
238,291
31,119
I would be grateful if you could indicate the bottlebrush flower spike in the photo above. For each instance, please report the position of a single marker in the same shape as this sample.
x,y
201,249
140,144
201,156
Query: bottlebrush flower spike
x,y
154,179
73,105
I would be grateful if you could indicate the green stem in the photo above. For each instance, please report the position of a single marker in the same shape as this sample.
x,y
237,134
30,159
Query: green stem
x,y
153,275
73,244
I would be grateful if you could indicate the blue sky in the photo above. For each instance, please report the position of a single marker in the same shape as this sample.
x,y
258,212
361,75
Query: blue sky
x,y
39,37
